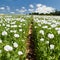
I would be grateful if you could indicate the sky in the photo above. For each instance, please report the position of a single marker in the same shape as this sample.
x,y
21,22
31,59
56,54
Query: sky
x,y
25,6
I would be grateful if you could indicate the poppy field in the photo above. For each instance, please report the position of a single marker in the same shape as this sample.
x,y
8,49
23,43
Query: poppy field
x,y
14,32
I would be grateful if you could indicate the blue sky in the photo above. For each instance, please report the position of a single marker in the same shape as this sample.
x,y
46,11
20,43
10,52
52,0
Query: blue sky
x,y
18,4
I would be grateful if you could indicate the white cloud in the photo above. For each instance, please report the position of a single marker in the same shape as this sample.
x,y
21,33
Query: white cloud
x,y
38,5
12,12
38,8
43,9
23,7
31,6
2,8
22,10
30,10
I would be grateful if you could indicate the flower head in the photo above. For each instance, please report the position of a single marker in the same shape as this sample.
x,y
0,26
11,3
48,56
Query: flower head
x,y
15,44
51,36
4,33
16,35
8,48
51,46
42,39
42,32
20,52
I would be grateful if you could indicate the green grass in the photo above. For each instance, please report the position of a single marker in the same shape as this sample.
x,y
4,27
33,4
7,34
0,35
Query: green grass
x,y
43,51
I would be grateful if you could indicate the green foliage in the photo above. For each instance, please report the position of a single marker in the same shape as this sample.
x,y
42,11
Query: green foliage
x,y
20,25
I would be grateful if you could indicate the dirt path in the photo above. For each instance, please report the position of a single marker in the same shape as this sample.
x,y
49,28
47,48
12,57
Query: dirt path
x,y
30,51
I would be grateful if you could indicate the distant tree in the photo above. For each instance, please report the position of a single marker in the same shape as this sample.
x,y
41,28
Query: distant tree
x,y
52,13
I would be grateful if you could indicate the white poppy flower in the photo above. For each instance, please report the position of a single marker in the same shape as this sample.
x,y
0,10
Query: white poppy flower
x,y
42,39
3,24
42,32
13,26
8,48
51,36
35,27
15,44
20,30
4,33
53,25
45,27
20,52
51,46
20,26
8,25
16,35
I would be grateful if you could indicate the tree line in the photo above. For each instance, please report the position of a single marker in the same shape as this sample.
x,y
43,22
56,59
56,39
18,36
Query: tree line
x,y
52,13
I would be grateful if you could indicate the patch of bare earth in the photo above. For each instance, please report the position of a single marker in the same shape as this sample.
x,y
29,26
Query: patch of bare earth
x,y
30,51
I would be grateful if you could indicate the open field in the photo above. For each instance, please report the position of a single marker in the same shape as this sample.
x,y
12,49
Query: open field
x,y
14,31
